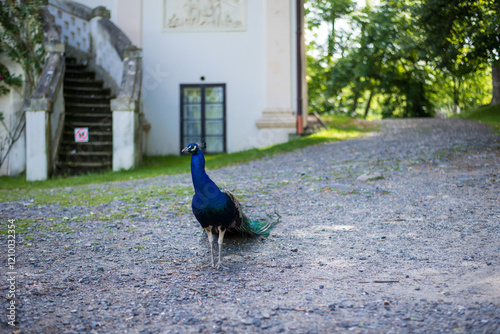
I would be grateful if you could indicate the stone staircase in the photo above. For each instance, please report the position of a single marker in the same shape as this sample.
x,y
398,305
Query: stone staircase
x,y
87,105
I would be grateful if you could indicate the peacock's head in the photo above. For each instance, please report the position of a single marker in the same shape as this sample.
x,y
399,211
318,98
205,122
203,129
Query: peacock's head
x,y
192,148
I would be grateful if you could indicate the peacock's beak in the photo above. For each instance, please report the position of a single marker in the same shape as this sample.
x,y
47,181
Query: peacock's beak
x,y
185,149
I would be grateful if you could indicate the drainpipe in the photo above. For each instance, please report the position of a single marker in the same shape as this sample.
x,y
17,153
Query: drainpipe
x,y
299,11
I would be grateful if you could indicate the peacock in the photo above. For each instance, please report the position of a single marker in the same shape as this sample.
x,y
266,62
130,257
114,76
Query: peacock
x,y
218,211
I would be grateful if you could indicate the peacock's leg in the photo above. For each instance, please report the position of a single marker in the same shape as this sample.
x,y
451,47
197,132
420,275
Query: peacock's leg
x,y
221,238
210,241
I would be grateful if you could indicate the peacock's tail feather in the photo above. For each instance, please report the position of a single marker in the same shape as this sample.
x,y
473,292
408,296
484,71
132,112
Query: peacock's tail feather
x,y
254,228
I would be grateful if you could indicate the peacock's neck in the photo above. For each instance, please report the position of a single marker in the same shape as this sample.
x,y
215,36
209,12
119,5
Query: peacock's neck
x,y
203,185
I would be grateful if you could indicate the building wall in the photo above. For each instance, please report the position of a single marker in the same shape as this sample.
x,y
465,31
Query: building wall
x,y
128,12
12,106
236,58
257,64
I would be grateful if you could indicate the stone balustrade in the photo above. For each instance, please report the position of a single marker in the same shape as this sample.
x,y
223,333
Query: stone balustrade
x,y
90,34
45,113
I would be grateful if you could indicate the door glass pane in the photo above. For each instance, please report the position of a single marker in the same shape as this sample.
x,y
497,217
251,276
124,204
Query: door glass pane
x,y
192,128
214,95
214,128
215,144
190,140
214,111
192,95
203,116
192,111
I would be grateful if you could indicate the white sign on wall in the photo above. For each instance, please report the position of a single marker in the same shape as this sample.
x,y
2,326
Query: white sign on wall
x,y
204,15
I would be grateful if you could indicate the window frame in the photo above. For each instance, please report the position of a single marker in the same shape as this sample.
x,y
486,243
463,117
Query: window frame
x,y
203,116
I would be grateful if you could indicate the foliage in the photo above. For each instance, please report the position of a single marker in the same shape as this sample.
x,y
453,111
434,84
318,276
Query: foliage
x,y
462,37
321,13
473,92
328,11
8,80
21,39
392,66
340,128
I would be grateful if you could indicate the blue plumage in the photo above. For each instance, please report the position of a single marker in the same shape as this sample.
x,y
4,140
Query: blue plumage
x,y
218,210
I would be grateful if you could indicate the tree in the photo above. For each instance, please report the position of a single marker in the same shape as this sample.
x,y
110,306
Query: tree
x,y
321,94
386,60
462,37
21,39
402,57
328,11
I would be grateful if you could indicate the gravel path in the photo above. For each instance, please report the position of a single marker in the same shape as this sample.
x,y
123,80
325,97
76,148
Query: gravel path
x,y
397,232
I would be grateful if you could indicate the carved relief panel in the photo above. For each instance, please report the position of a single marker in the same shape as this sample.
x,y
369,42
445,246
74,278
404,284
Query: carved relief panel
x,y
204,15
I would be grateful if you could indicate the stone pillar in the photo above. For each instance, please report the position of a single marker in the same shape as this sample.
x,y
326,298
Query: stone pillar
x,y
37,144
39,113
278,118
126,143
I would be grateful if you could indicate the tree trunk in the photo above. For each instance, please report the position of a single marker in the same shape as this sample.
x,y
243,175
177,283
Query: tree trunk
x,y
367,107
495,76
341,104
354,103
331,40
456,96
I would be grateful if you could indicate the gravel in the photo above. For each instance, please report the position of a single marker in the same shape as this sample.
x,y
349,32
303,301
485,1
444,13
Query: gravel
x,y
396,232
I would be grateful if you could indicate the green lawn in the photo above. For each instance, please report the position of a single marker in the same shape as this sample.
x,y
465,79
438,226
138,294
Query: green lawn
x,y
487,114
340,128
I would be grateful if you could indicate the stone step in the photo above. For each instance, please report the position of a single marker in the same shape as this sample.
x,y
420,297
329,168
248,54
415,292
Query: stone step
x,y
78,83
89,154
76,118
79,74
85,115
84,166
88,105
86,99
71,151
75,67
94,157
86,90
72,109
69,145
95,126
97,144
89,144
72,170
70,61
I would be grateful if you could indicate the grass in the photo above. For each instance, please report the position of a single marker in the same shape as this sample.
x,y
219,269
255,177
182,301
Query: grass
x,y
13,188
88,197
487,114
40,225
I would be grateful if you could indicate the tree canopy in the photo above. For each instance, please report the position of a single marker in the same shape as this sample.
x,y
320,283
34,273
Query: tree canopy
x,y
403,58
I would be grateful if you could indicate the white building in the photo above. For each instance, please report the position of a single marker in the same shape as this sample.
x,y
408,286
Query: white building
x,y
242,54
231,72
